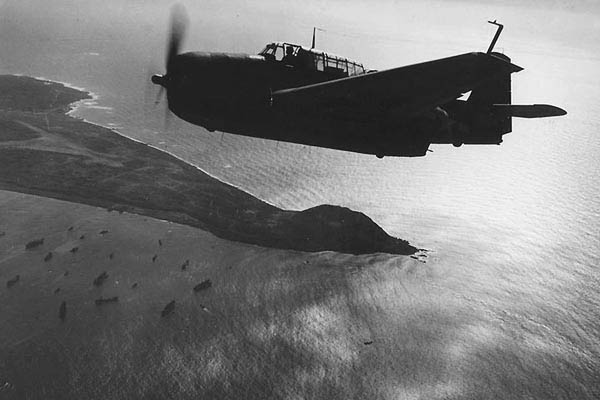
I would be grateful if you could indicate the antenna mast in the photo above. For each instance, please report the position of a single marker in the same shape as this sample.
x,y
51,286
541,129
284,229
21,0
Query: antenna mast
x,y
496,36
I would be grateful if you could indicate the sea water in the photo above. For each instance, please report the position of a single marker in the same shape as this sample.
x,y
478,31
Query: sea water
x,y
512,230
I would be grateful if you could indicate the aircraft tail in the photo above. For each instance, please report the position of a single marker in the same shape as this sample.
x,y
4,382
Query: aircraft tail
x,y
493,101
489,123
495,91
487,114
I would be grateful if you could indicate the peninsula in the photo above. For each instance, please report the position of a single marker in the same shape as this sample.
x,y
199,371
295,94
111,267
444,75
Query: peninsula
x,y
46,152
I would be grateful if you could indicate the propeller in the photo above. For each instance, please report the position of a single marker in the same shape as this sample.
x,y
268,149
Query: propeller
x,y
178,27
177,30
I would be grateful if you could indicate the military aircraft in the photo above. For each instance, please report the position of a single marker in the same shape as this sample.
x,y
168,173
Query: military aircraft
x,y
297,94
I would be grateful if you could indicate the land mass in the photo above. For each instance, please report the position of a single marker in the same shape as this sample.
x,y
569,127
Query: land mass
x,y
46,152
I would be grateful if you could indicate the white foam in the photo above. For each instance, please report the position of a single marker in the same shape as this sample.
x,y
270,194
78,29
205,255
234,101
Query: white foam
x,y
75,105
95,97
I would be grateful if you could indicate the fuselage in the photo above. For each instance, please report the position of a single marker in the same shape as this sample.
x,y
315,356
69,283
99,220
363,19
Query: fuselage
x,y
284,93
232,93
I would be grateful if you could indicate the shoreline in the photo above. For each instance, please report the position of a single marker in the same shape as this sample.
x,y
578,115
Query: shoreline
x,y
76,106
75,160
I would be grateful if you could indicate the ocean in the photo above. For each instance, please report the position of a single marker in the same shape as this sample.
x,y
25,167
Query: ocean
x,y
512,231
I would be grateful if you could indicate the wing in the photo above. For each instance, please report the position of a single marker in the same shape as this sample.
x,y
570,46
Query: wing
x,y
405,91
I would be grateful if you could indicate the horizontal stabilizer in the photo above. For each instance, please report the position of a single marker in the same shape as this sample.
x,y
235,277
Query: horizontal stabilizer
x,y
530,110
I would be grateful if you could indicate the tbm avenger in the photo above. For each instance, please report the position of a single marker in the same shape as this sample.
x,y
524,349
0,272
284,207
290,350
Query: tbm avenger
x,y
303,95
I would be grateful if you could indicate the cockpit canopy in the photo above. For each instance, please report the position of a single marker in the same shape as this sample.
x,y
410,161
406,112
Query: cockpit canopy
x,y
311,59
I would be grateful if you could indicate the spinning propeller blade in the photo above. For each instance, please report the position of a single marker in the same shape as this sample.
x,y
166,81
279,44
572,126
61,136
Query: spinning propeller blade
x,y
178,27
159,95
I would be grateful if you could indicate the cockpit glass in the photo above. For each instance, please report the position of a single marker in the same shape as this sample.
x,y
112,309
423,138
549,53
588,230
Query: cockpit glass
x,y
311,60
273,51
351,69
279,53
318,62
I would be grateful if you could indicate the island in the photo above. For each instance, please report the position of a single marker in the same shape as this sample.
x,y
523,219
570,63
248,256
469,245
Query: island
x,y
46,152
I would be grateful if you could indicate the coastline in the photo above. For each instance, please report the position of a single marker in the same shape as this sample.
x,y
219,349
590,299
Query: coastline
x,y
94,97
99,166
75,105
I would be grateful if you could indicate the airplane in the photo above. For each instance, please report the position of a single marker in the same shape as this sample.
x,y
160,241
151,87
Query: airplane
x,y
297,94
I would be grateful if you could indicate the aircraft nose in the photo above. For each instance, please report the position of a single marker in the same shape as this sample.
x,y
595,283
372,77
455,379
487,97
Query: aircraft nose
x,y
159,80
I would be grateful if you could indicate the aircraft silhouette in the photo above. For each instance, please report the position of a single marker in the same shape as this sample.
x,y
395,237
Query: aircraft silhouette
x,y
303,95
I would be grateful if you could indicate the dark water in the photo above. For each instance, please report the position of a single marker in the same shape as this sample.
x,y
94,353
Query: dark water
x,y
513,230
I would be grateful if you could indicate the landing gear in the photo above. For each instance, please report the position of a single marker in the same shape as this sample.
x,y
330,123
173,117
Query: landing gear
x,y
458,133
379,155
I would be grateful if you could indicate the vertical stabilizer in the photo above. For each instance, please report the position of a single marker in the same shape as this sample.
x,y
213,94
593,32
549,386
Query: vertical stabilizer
x,y
490,120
